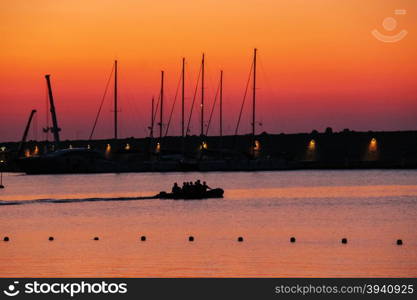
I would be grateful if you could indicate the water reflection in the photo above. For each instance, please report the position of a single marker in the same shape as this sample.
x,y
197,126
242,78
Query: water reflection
x,y
372,209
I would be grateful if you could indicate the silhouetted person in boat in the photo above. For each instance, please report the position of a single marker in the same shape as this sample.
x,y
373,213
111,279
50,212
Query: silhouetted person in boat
x,y
199,187
176,189
205,187
186,188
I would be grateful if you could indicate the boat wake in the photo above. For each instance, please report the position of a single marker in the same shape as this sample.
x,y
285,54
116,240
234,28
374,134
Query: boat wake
x,y
35,201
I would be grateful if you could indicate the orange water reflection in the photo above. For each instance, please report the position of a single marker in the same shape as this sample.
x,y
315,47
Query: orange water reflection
x,y
371,216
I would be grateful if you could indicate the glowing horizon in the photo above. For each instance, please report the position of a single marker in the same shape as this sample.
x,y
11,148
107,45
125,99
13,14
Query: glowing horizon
x,y
319,65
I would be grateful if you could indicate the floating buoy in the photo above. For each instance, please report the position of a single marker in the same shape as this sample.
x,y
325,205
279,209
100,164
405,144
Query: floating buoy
x,y
399,242
292,239
191,239
96,238
240,239
6,239
51,238
143,238
344,241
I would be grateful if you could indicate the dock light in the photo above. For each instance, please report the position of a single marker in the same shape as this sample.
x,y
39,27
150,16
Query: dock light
x,y
372,151
3,148
257,146
27,153
312,145
108,150
127,147
204,146
88,146
158,147
373,145
36,150
70,146
311,152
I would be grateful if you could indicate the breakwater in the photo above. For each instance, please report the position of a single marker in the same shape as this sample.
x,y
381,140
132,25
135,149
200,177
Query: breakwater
x,y
331,150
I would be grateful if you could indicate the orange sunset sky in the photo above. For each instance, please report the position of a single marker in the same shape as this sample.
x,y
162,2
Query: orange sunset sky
x,y
319,65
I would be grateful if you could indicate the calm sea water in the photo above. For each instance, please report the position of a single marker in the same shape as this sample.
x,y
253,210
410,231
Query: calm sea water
x,y
372,209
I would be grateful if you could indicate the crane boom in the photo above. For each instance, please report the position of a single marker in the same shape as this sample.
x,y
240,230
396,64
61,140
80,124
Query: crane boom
x,y
25,133
55,129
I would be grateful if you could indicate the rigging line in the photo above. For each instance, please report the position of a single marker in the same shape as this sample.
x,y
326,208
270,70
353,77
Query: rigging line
x,y
212,109
102,101
136,112
192,105
266,79
33,129
244,99
156,108
133,113
173,105
210,89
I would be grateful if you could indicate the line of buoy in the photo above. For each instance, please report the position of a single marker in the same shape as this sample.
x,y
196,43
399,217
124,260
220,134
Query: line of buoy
x,y
191,238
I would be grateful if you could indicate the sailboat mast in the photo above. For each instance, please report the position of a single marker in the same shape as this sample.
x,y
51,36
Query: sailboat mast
x,y
115,100
183,97
221,103
152,117
254,93
161,107
202,97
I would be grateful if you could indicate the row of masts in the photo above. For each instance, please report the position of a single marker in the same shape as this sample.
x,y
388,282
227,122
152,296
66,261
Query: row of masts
x,y
202,105
55,128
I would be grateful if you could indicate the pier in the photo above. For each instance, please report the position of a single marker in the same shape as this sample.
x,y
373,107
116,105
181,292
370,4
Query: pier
x,y
316,150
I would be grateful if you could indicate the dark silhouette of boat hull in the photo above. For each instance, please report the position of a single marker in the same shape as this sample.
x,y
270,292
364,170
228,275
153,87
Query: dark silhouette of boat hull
x,y
213,193
68,161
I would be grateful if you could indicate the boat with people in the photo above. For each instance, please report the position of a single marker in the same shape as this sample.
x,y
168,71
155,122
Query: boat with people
x,y
191,191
